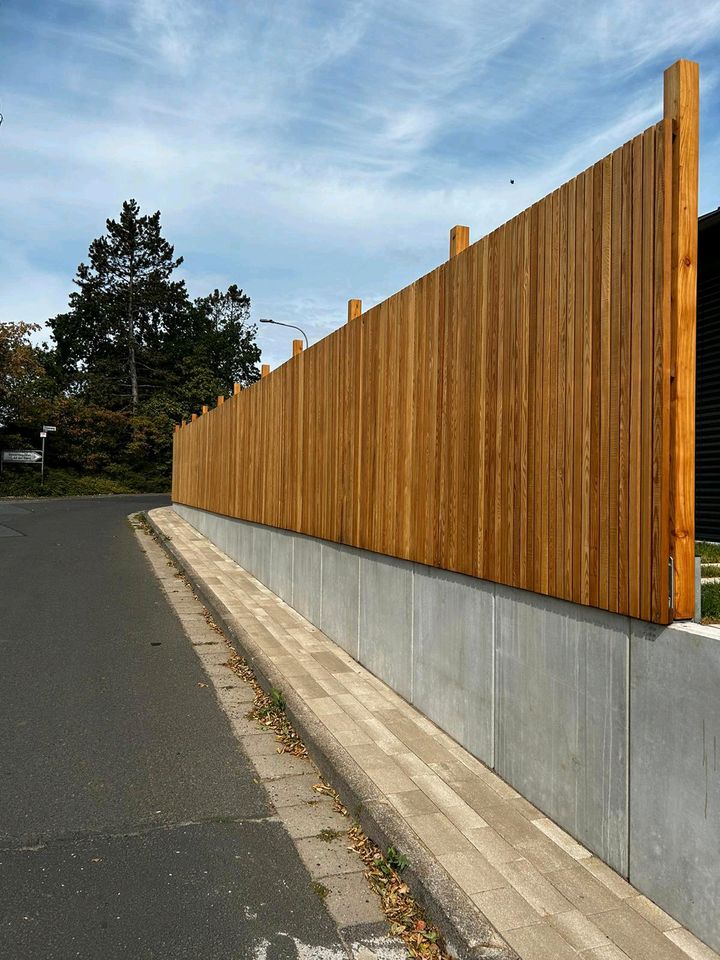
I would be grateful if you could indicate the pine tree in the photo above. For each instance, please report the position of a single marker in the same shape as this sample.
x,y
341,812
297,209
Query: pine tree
x,y
125,299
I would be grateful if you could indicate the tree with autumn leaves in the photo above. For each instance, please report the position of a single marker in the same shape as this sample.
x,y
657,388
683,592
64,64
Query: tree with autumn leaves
x,y
132,355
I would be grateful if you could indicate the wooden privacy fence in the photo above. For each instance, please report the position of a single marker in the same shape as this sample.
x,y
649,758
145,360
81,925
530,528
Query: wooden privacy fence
x,y
523,414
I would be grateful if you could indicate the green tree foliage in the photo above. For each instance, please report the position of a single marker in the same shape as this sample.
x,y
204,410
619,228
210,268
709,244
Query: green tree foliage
x,y
131,356
126,298
20,368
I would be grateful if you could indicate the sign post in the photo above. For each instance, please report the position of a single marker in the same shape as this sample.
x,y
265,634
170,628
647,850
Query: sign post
x,y
43,433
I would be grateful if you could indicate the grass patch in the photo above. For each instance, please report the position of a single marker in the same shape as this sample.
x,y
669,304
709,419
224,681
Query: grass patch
x,y
711,603
711,569
708,552
320,889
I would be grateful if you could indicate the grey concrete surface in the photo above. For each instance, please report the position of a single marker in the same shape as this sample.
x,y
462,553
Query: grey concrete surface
x,y
561,715
307,578
131,822
386,614
340,595
453,641
675,773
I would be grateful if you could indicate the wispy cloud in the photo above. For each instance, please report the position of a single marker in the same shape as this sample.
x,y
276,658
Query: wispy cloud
x,y
308,150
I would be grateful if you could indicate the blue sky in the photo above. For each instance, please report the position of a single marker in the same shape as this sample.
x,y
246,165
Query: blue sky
x,y
315,151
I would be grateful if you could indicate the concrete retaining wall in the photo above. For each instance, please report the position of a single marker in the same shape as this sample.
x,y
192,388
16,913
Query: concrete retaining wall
x,y
610,726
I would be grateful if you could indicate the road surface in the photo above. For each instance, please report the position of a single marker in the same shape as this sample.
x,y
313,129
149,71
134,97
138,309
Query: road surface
x,y
130,822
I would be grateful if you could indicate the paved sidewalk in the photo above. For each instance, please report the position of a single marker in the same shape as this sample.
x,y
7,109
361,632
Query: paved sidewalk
x,y
548,896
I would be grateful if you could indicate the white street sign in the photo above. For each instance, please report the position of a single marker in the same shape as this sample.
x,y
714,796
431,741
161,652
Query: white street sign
x,y
42,434
49,429
21,456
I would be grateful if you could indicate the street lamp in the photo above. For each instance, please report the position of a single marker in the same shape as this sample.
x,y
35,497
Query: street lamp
x,y
292,326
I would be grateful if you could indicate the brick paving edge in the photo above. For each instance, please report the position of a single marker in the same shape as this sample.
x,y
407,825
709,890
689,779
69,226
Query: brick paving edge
x,y
466,931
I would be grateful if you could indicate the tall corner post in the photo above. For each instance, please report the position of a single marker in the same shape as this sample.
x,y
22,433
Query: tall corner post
x,y
297,347
459,240
264,370
354,309
682,109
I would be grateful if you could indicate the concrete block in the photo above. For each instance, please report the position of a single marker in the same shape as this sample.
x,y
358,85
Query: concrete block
x,y
340,593
453,656
260,553
675,772
561,714
280,573
307,578
386,608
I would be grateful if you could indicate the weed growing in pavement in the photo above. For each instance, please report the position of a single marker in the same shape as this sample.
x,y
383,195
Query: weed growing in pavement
x,y
397,861
328,835
320,889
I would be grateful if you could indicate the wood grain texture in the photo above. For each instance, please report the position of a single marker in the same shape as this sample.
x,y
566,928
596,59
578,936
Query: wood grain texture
x,y
682,92
521,414
459,239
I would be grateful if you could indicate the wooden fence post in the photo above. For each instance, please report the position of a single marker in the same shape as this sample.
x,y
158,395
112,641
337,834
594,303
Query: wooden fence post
x,y
682,95
354,309
182,424
193,418
236,389
205,408
297,347
176,428
459,240
221,399
264,369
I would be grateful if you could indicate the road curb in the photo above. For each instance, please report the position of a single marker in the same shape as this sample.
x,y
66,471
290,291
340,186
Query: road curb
x,y
467,932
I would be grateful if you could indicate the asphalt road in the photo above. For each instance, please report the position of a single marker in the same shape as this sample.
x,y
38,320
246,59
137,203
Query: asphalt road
x,y
130,823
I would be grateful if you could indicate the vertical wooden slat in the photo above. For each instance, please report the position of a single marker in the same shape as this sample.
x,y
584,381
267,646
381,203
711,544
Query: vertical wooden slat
x,y
682,85
646,347
613,411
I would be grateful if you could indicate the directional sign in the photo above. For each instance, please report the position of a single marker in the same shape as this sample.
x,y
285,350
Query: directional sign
x,y
42,434
49,429
21,456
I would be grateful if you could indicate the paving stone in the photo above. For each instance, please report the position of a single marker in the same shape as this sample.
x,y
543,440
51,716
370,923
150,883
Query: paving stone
x,y
278,765
414,803
439,835
579,931
544,854
561,838
506,909
583,890
472,871
539,942
636,936
610,952
288,791
492,846
613,881
328,858
351,901
534,887
309,820
694,948
261,746
657,917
